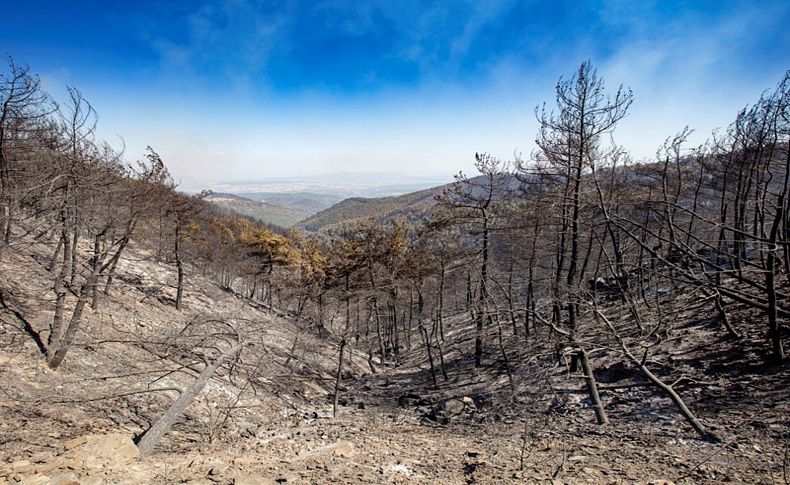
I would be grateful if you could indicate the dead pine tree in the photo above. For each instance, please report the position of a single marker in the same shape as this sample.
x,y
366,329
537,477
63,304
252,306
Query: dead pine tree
x,y
569,146
473,203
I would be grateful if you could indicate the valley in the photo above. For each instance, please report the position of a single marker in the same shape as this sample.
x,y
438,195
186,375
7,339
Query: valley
x,y
385,242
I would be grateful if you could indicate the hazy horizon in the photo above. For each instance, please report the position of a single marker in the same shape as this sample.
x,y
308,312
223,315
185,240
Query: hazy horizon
x,y
341,183
244,90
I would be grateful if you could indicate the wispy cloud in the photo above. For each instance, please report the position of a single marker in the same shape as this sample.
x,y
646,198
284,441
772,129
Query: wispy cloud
x,y
233,39
695,68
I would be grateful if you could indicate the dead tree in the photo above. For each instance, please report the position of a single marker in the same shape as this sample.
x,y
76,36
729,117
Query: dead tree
x,y
569,144
472,203
338,377
592,387
148,440
656,381
23,106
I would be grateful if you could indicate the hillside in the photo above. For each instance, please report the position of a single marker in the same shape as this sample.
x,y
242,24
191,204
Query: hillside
x,y
261,211
133,356
267,419
304,202
412,206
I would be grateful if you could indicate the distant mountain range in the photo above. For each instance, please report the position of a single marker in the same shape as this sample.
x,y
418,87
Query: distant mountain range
x,y
339,184
324,212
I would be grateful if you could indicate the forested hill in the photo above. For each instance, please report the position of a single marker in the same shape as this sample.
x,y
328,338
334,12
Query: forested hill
x,y
412,206
261,211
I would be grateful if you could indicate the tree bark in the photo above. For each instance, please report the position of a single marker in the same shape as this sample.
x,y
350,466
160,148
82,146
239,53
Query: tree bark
x,y
57,349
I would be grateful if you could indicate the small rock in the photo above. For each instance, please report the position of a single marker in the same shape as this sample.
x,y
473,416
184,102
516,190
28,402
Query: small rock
x,y
287,478
409,399
117,446
344,449
75,442
216,470
64,478
48,466
400,468
35,480
454,406
244,461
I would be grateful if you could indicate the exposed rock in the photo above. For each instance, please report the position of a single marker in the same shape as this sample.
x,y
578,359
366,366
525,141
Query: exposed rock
x,y
454,406
75,442
401,469
410,399
217,470
35,480
344,449
590,471
114,447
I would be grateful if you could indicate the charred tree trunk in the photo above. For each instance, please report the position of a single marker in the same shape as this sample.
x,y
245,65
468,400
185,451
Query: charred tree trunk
x,y
774,330
592,388
440,301
57,349
150,438
54,261
56,330
179,267
339,377
482,312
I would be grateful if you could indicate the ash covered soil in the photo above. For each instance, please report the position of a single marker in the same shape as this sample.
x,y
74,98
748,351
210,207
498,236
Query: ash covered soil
x,y
269,418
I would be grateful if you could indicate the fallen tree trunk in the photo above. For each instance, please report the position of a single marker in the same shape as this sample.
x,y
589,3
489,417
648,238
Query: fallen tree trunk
x,y
657,382
150,438
592,388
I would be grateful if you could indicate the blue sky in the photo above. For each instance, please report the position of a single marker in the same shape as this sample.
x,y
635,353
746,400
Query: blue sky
x,y
237,89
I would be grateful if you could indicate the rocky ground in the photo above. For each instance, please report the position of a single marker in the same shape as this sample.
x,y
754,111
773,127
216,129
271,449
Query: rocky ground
x,y
76,424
